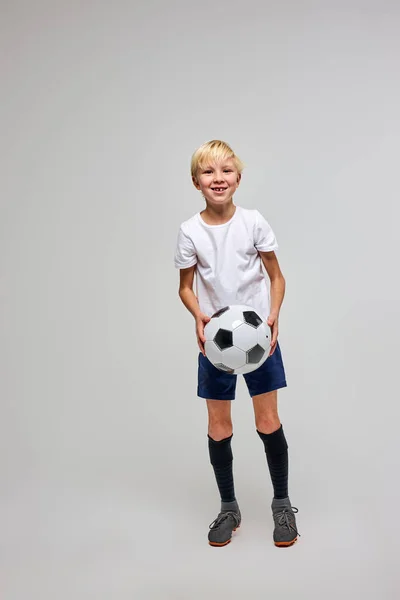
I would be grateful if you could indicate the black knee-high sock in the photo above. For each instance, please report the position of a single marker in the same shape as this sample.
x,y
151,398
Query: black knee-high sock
x,y
277,457
221,458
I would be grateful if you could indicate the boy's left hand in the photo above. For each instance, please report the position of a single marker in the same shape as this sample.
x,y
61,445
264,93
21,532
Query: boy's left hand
x,y
273,322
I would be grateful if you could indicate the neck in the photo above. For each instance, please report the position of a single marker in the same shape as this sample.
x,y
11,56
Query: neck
x,y
219,214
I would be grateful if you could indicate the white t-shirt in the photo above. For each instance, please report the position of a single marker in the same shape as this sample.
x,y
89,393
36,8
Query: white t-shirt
x,y
229,268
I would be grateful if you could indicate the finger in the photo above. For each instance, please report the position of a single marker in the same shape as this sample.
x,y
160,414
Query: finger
x,y
201,346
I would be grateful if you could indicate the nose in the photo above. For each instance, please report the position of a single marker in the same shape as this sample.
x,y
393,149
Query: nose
x,y
218,178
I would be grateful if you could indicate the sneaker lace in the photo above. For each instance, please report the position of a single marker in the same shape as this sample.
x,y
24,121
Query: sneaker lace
x,y
285,517
222,517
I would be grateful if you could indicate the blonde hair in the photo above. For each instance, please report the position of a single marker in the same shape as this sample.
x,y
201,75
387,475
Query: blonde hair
x,y
213,151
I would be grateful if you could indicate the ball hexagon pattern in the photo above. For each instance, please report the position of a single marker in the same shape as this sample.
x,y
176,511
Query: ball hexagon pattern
x,y
237,339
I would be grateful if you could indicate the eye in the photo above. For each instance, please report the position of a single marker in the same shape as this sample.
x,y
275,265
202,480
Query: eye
x,y
228,170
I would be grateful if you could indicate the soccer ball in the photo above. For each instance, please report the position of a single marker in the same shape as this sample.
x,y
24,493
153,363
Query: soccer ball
x,y
237,339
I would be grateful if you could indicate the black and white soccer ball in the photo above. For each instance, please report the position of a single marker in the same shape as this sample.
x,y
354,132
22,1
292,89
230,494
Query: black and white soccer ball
x,y
237,339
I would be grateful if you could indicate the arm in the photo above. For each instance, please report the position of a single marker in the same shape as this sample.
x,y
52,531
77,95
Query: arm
x,y
278,283
186,293
189,299
278,286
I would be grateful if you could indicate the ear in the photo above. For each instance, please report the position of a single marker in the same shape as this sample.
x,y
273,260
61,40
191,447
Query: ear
x,y
239,178
195,183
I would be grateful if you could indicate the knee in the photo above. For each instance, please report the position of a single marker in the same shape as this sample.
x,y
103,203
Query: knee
x,y
220,429
268,423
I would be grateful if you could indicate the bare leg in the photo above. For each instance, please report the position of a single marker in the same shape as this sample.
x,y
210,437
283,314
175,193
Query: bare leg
x,y
219,419
266,412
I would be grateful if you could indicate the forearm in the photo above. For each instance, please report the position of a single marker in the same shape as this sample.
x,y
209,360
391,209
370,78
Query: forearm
x,y
189,299
277,292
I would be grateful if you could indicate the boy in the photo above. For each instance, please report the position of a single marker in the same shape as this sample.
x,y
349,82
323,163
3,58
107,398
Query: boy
x,y
226,245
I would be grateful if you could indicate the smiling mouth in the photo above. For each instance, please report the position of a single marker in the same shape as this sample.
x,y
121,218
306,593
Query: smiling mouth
x,y
218,189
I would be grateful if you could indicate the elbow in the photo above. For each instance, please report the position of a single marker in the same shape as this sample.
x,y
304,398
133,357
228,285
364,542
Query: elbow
x,y
278,279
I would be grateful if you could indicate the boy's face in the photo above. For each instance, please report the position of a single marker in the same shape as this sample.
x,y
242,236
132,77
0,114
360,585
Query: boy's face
x,y
218,181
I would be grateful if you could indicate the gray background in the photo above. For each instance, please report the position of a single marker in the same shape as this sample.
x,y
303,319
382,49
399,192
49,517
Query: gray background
x,y
106,489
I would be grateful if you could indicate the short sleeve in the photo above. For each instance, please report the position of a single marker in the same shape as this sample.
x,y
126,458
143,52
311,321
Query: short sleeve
x,y
185,253
264,237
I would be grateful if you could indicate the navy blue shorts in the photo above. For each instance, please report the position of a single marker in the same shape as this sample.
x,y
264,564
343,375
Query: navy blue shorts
x,y
214,384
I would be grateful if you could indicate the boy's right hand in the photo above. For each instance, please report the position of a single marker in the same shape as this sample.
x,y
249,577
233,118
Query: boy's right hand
x,y
201,321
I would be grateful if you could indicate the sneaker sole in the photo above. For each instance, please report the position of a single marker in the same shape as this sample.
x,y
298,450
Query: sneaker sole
x,y
221,544
285,544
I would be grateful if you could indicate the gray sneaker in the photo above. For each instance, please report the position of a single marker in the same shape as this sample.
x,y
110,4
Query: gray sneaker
x,y
285,532
222,527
